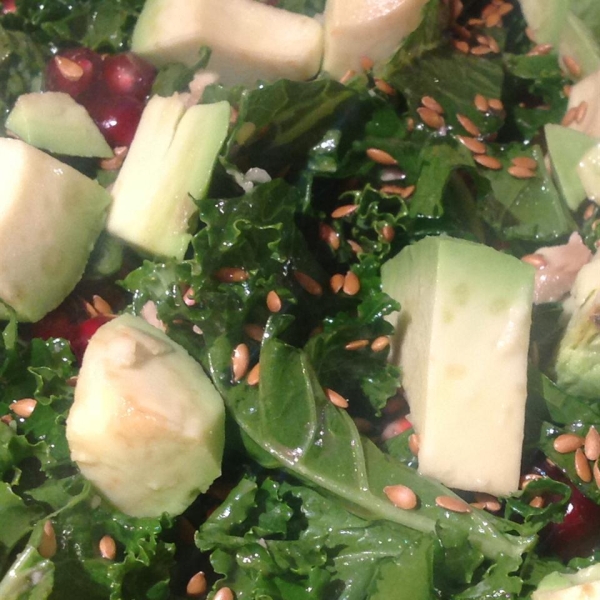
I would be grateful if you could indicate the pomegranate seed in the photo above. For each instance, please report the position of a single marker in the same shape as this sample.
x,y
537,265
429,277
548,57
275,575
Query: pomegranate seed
x,y
9,6
127,74
54,325
73,71
116,116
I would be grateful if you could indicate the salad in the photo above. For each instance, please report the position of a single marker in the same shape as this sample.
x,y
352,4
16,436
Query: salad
x,y
462,132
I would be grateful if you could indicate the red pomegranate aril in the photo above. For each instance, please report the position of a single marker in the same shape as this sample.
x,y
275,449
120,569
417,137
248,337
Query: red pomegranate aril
x,y
127,74
55,324
83,333
9,6
73,71
117,117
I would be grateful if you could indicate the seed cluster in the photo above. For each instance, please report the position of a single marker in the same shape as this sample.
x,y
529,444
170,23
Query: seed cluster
x,y
586,453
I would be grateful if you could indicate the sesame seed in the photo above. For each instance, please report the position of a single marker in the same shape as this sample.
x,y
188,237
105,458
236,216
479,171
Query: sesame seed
x,y
432,104
107,547
254,375
430,117
496,104
461,46
366,63
388,232
197,585
68,68
401,496
520,172
481,103
581,111
336,282
537,502
224,593
472,144
344,211
385,87
468,125
480,50
24,407
380,343
582,466
536,260
329,235
356,344
351,284
47,547
274,303
231,275
567,442
573,67
254,332
487,161
381,157
526,162
413,443
336,399
308,284
452,504
591,447
240,361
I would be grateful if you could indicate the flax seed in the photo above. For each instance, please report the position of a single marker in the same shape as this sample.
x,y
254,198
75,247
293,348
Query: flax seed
x,y
274,303
568,442
380,343
107,547
401,496
336,399
344,211
351,284
432,104
68,68
487,161
308,284
366,63
537,502
581,111
472,144
224,593
572,66
468,125
336,283
381,157
481,103
480,50
356,344
461,46
525,162
413,443
520,172
431,118
197,585
582,466
254,375
452,504
385,87
591,447
254,332
23,408
240,361
231,275
388,233
536,260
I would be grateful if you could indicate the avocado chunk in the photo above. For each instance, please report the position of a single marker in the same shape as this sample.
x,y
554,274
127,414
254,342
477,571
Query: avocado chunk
x,y
249,40
462,336
356,29
50,218
588,170
55,122
168,166
147,425
582,585
578,357
567,147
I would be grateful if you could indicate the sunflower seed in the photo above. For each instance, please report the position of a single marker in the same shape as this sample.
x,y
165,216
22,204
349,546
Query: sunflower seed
x,y
351,284
274,303
23,408
568,442
344,211
381,157
107,547
401,496
308,284
452,504
336,399
197,585
582,466
591,447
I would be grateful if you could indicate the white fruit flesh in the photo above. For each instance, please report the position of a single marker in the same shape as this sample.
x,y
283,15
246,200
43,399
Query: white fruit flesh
x,y
249,40
147,425
587,90
50,218
461,342
588,170
583,585
169,164
366,28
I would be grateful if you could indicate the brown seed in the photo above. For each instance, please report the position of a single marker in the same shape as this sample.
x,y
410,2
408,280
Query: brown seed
x,y
432,104
597,474
6,419
461,46
581,111
520,172
347,76
472,144
413,443
496,104
381,157
481,50
504,8
240,361
489,502
231,275
254,332
568,442
452,504
591,446
380,343
475,22
567,90
68,68
72,381
336,399
336,282
388,233
397,190
489,9
540,50
385,87
530,34
493,44
90,310
107,547
481,103
431,118
344,211
224,593
582,466
537,502
116,161
468,125
487,161
366,63
188,297
47,547
254,375
274,303
572,66
407,191
493,20
197,585
526,162
590,211
356,247
351,284
478,505
101,305
329,235
569,117
536,260
308,283
401,496
24,407
527,479
356,344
